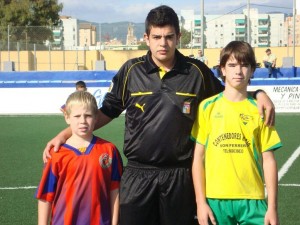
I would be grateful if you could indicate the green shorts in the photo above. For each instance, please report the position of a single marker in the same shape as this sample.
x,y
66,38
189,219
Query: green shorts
x,y
237,211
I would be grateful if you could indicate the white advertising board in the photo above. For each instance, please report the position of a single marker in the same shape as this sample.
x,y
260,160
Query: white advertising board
x,y
285,97
40,100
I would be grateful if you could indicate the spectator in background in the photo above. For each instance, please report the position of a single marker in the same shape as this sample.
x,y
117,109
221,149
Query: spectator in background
x,y
80,86
202,57
217,68
270,61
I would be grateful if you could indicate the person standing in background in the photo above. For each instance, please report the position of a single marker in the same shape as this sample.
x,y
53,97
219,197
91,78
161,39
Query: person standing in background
x,y
202,57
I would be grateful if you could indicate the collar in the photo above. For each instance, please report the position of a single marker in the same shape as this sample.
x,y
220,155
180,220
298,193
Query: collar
x,y
180,64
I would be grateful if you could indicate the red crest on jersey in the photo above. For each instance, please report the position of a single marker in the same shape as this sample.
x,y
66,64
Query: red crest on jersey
x,y
105,161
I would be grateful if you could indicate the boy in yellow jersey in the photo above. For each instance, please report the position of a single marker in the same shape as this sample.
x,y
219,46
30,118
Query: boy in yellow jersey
x,y
234,155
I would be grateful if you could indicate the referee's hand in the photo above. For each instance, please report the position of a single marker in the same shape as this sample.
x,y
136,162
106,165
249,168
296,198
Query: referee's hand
x,y
56,142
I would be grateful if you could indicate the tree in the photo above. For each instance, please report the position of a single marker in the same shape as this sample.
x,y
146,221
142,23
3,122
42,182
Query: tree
x,y
29,20
143,46
185,38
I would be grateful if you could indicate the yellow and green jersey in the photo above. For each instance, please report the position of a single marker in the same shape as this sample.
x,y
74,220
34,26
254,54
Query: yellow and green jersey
x,y
235,137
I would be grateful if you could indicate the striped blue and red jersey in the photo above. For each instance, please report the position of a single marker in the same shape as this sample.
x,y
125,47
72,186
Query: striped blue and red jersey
x,y
79,184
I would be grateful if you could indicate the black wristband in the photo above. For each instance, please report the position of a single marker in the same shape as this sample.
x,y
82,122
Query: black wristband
x,y
256,92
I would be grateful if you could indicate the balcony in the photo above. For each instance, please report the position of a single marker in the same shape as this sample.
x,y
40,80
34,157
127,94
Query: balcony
x,y
197,23
263,22
240,23
240,32
263,32
263,42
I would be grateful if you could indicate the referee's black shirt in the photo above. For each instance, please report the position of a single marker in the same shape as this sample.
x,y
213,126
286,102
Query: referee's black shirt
x,y
159,112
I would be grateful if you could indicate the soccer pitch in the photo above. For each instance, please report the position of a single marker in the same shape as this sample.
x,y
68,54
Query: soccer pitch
x,y
23,139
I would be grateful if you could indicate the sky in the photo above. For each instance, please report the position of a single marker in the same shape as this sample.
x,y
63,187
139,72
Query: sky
x,y
135,11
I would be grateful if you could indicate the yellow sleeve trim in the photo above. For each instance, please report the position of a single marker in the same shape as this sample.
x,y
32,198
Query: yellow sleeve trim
x,y
186,94
141,93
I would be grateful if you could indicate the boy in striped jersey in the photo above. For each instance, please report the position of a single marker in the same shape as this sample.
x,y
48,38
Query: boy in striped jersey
x,y
80,183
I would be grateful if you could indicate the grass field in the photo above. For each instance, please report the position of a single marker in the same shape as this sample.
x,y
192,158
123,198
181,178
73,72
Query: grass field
x,y
23,138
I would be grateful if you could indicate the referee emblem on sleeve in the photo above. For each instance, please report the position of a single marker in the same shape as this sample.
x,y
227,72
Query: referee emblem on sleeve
x,y
186,109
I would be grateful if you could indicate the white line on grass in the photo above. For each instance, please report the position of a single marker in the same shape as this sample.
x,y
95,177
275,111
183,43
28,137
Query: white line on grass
x,y
16,188
284,169
288,163
289,185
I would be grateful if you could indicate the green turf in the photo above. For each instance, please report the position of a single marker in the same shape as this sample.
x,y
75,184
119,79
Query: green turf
x,y
18,207
23,139
288,128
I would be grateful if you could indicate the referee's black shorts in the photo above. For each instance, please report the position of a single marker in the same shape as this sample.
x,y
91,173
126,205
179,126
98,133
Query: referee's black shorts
x,y
157,196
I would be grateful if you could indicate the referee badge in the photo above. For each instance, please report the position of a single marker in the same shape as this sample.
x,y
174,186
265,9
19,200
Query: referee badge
x,y
186,109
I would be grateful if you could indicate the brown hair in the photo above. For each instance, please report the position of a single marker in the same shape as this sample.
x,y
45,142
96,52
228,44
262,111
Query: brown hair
x,y
242,52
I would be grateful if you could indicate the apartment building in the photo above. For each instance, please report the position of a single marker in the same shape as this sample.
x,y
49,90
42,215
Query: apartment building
x,y
77,33
87,35
70,32
265,29
289,24
58,40
220,30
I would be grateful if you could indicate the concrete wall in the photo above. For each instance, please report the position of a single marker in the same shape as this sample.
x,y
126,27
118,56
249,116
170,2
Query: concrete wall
x,y
85,60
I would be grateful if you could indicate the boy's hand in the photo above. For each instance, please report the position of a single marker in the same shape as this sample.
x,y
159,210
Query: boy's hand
x,y
205,214
266,108
271,218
